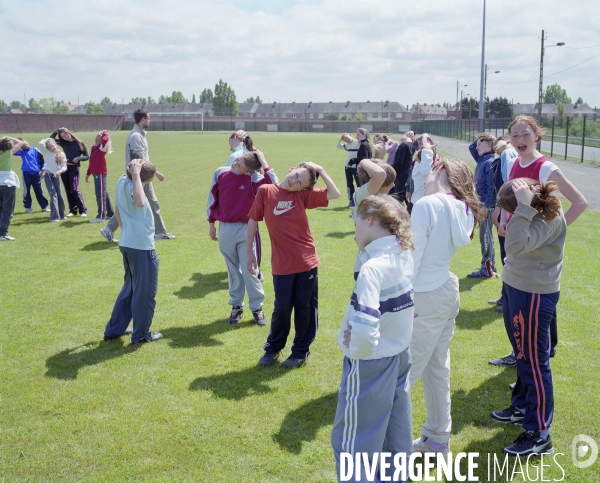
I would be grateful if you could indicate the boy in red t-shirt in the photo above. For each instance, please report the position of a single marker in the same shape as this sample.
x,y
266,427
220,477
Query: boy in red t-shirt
x,y
294,258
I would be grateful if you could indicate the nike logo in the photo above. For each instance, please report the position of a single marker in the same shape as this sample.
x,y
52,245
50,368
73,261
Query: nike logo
x,y
282,207
242,187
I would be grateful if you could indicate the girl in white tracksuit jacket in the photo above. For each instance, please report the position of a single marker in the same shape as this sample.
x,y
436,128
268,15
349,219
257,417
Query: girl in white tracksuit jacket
x,y
442,221
374,408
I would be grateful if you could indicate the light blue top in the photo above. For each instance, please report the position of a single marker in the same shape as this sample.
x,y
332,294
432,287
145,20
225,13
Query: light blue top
x,y
138,223
237,152
506,157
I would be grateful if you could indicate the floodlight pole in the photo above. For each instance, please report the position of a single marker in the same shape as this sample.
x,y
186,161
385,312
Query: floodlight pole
x,y
481,82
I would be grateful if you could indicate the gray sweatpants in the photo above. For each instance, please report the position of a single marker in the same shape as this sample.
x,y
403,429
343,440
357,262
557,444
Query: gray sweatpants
x,y
57,203
159,224
232,244
486,239
374,411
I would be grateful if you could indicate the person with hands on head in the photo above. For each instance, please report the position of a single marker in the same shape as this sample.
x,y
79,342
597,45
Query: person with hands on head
x,y
230,198
365,149
9,182
426,155
137,299
350,145
401,164
76,152
56,164
33,170
535,240
97,168
483,154
294,259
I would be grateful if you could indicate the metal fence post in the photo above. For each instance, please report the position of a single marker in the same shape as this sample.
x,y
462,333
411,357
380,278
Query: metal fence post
x,y
583,138
567,138
552,139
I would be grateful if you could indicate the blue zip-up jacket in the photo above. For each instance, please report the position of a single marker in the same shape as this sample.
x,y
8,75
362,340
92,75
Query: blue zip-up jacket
x,y
484,176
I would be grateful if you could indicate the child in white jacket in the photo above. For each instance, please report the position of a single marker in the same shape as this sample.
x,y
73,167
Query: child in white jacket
x,y
374,398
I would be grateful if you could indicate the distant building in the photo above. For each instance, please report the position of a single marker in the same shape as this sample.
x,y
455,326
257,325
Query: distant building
x,y
422,112
15,111
551,110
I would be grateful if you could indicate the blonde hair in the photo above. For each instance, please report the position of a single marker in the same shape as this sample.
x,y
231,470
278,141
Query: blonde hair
x,y
57,154
531,122
391,215
410,135
543,199
367,135
462,185
390,173
109,149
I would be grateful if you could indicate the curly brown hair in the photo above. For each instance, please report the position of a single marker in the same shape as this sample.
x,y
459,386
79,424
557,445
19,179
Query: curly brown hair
x,y
391,216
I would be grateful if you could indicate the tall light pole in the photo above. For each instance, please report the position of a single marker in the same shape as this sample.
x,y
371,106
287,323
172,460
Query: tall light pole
x,y
481,82
485,85
461,99
541,90
457,105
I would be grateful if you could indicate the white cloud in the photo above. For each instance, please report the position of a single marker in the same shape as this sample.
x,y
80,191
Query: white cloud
x,y
292,50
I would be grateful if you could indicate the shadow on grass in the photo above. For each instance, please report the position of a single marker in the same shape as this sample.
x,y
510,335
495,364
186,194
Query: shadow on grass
x,y
99,245
70,223
68,363
31,221
340,234
466,284
240,384
203,285
201,335
338,208
302,424
478,319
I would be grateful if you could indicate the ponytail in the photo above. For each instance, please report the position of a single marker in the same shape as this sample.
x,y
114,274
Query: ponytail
x,y
249,145
543,200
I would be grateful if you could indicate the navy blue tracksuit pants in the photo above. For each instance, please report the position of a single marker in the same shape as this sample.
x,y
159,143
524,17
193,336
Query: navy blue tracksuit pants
x,y
298,292
527,317
33,180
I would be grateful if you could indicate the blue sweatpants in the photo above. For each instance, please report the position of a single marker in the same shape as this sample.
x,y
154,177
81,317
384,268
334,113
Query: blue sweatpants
x,y
529,316
298,292
33,180
374,411
137,297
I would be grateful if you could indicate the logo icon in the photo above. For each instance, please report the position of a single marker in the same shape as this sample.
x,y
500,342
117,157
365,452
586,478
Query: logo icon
x,y
584,451
282,207
242,187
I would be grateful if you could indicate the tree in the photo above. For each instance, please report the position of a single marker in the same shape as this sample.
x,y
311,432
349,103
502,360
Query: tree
x,y
592,129
3,106
105,100
331,117
62,109
359,117
555,94
93,108
224,101
561,115
345,117
45,104
206,95
579,100
151,101
250,100
193,98
176,97
258,100
498,107
34,106
472,105
139,100
18,105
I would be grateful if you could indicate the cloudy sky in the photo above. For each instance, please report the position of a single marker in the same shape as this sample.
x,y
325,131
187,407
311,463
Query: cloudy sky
x,y
294,50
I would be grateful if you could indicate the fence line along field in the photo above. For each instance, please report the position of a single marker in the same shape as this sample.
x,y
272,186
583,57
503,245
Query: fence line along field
x,y
195,406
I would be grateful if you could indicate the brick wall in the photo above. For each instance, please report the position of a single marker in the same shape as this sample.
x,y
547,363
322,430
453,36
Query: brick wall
x,y
46,123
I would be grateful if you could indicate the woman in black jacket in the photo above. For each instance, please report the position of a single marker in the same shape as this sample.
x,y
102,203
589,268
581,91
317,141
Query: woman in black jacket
x,y
365,149
402,162
75,151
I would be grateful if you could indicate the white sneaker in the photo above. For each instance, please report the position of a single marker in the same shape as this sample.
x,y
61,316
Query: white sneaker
x,y
164,236
96,220
6,237
83,215
109,235
69,215
54,221
420,445
46,210
29,210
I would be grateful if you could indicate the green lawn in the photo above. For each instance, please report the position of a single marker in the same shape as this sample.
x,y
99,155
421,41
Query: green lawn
x,y
195,407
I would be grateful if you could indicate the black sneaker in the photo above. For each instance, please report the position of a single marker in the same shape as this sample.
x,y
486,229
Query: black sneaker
x,y
495,301
510,415
236,314
269,358
528,443
512,385
508,360
259,317
292,362
478,274
128,331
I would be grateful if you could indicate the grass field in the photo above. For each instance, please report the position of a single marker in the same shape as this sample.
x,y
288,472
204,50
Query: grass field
x,y
196,407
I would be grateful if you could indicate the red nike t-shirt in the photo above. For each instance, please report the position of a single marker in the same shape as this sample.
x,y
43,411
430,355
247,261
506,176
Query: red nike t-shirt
x,y
292,245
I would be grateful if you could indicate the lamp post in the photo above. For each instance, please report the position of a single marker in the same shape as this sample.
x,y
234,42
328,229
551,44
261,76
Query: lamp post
x,y
481,82
541,89
485,86
461,99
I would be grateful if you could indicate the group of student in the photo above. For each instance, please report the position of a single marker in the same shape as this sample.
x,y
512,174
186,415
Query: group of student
x,y
401,314
52,164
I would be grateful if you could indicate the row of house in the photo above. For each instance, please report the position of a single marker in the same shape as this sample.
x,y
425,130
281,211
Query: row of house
x,y
371,111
